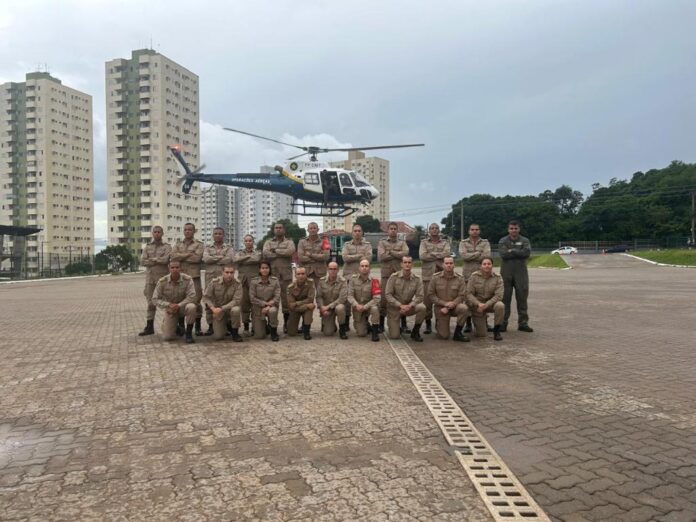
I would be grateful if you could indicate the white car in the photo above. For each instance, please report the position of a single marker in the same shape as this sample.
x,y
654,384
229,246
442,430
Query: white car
x,y
565,250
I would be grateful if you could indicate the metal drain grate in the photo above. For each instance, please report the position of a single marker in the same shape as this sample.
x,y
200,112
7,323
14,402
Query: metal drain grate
x,y
504,495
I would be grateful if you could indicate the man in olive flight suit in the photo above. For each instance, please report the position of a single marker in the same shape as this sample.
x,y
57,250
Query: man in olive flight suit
x,y
514,251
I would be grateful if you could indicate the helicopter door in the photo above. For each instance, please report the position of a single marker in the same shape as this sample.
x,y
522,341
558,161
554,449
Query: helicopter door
x,y
346,184
311,182
329,180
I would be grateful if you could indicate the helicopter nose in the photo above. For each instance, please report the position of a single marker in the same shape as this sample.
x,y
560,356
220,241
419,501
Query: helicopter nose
x,y
374,193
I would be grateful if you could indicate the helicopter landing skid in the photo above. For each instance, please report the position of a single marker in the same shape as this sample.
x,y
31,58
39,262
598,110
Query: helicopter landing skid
x,y
305,208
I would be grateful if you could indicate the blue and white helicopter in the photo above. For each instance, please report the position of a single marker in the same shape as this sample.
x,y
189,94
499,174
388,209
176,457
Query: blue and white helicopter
x,y
317,188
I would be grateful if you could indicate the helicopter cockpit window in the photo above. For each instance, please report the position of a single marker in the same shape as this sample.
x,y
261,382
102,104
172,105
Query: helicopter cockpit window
x,y
345,180
311,178
359,180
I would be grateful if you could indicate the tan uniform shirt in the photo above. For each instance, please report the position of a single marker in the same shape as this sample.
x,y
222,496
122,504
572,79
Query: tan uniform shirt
x,y
312,257
332,293
167,291
443,289
218,294
260,293
360,291
389,254
214,258
472,254
155,259
190,256
279,254
247,264
432,254
299,296
481,289
352,254
401,290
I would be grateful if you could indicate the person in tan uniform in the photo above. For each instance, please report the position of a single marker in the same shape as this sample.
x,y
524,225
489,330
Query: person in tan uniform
x,y
404,296
485,295
432,253
247,261
223,297
215,257
176,295
189,253
278,252
155,259
301,295
332,294
447,292
472,250
390,252
352,253
312,255
264,293
364,295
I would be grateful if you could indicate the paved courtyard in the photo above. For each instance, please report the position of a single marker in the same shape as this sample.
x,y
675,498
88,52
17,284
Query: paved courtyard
x,y
595,412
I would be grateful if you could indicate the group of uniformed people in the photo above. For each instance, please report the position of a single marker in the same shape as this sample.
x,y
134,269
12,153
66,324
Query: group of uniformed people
x,y
251,287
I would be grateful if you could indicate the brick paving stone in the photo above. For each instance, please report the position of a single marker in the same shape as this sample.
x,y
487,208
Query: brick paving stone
x,y
98,423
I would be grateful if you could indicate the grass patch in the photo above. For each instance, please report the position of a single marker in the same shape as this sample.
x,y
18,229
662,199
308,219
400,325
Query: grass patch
x,y
669,256
547,261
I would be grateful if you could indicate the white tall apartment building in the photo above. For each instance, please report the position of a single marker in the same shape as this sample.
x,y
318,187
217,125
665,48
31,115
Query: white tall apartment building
x,y
376,172
219,209
46,169
151,103
259,209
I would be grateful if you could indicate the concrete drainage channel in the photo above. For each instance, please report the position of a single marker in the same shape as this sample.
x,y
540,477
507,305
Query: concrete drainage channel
x,y
504,495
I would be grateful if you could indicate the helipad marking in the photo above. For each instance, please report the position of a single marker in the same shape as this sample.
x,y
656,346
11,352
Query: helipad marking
x,y
504,495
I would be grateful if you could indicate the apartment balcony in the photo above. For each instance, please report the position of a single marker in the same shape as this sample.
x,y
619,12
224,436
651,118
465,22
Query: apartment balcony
x,y
120,154
145,165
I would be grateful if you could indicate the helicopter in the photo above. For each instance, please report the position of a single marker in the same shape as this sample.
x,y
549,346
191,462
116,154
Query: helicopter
x,y
317,188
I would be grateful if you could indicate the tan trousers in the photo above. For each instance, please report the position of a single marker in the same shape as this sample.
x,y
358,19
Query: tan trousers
x,y
394,319
284,283
151,308
479,320
294,321
170,320
442,322
199,296
328,323
359,323
259,321
220,325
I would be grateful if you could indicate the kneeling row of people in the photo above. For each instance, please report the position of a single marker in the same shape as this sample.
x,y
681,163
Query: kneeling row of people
x,y
336,299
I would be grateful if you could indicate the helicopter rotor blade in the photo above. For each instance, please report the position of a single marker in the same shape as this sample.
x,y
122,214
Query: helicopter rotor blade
x,y
265,138
348,149
298,156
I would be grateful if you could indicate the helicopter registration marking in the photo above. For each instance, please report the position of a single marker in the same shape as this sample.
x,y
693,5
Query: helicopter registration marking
x,y
253,180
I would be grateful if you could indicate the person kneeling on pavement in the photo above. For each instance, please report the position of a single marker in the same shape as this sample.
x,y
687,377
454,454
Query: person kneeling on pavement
x,y
223,296
404,296
485,295
447,292
301,294
176,295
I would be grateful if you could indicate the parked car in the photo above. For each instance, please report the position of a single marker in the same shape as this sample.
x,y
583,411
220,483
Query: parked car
x,y
616,248
565,250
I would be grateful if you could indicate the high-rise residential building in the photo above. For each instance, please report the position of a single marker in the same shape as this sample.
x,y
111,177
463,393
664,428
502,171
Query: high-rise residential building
x,y
219,209
151,103
376,172
46,168
259,209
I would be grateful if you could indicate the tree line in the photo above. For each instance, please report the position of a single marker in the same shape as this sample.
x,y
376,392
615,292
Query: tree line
x,y
652,205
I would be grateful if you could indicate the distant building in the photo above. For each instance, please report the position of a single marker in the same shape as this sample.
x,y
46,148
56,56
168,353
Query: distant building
x,y
46,169
404,230
376,172
219,209
151,102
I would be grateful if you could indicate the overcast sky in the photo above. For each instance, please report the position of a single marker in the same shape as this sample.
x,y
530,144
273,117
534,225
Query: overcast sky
x,y
509,97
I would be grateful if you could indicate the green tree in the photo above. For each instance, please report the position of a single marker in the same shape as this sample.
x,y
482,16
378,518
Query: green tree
x,y
114,257
566,199
368,223
414,241
83,266
292,231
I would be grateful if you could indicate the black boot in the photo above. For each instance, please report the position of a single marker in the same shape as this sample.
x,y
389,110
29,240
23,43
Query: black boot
x,y
488,326
375,332
189,334
234,333
428,326
305,332
415,333
199,330
229,328
274,333
149,328
496,333
459,336
346,323
404,326
467,327
501,328
524,327
180,327
209,332
285,321
342,331
246,326
381,323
